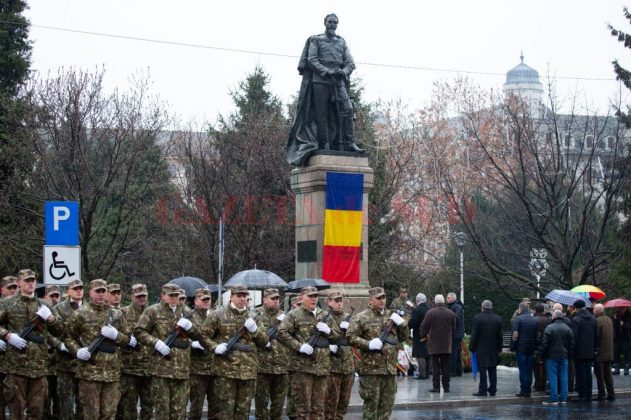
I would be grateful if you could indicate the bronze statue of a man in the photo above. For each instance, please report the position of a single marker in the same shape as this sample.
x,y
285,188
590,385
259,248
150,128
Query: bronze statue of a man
x,y
324,117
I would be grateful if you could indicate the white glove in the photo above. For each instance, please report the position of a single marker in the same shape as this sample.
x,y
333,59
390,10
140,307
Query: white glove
x,y
84,354
162,348
375,344
17,341
43,312
250,324
280,317
195,344
110,332
306,349
344,325
323,328
333,348
3,345
62,347
396,319
400,312
268,345
221,349
185,324
132,341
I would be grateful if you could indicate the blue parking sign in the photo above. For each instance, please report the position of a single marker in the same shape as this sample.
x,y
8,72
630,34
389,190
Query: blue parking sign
x,y
62,223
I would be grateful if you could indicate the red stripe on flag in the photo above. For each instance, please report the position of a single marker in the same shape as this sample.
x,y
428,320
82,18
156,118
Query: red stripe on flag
x,y
340,264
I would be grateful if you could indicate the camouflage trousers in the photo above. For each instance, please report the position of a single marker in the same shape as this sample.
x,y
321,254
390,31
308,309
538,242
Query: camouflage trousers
x,y
290,407
68,393
202,387
169,397
134,387
378,392
338,395
99,399
309,393
51,407
235,397
270,388
22,393
2,402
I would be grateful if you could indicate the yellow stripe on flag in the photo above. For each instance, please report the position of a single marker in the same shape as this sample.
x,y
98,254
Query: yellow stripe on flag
x,y
342,228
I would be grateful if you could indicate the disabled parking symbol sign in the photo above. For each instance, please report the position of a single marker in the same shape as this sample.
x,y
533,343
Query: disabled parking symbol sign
x,y
62,264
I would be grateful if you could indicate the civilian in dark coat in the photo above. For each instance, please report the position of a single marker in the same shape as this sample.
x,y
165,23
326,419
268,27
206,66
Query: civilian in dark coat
x,y
604,380
456,353
538,367
438,327
556,349
419,348
486,342
524,343
622,340
585,332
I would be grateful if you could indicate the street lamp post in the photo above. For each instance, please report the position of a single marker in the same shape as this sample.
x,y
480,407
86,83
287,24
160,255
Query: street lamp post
x,y
461,240
538,264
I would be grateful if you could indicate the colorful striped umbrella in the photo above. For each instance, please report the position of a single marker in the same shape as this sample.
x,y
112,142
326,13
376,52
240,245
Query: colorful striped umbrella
x,y
589,291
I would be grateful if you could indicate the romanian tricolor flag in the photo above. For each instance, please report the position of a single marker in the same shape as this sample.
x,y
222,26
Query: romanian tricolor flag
x,y
342,227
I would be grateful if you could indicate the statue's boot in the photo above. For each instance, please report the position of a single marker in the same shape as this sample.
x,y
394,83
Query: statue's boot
x,y
353,147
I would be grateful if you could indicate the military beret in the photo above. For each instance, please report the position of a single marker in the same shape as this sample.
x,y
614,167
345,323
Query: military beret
x,y
334,293
271,293
26,274
170,289
113,287
9,281
74,283
52,289
202,292
239,288
98,284
376,292
139,289
309,290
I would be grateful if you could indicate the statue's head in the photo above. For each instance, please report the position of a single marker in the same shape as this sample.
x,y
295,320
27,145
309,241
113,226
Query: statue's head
x,y
330,22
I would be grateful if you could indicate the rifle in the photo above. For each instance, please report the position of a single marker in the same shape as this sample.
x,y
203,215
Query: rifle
x,y
233,342
314,340
384,336
272,331
343,341
177,331
28,333
93,348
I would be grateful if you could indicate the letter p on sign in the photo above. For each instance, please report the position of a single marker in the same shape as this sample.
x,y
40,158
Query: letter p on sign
x,y
62,223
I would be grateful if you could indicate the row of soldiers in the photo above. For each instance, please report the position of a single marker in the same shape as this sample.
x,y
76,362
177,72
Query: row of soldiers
x,y
107,359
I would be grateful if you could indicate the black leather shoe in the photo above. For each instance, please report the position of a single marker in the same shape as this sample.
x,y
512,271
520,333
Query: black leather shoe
x,y
479,394
434,390
520,395
417,377
611,398
446,390
492,394
352,147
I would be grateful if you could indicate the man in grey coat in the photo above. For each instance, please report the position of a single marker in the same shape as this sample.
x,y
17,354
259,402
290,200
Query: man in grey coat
x,y
486,342
437,328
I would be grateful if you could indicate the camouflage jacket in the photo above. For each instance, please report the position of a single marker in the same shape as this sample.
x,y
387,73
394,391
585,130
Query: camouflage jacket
x,y
272,360
368,325
53,346
16,312
156,323
201,361
66,362
135,361
342,361
218,328
295,331
83,328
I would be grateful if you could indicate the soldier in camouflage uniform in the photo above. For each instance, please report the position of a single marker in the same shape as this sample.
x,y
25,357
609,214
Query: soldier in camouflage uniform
x,y
311,365
98,371
272,379
290,407
26,386
235,370
402,305
201,379
114,295
338,393
8,287
65,363
52,295
136,370
378,381
171,365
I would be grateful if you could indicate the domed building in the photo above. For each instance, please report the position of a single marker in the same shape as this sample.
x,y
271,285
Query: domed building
x,y
523,82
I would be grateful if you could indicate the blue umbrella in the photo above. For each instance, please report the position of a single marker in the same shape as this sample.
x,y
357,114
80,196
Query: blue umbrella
x,y
474,365
256,279
296,285
566,297
190,284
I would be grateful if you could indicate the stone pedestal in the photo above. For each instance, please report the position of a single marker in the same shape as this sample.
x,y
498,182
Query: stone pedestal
x,y
309,185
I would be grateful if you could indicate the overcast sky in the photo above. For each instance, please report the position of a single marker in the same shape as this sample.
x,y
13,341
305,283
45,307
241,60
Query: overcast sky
x,y
567,39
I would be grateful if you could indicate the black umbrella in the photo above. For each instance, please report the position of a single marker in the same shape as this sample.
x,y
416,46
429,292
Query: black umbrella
x,y
214,288
190,284
296,285
256,279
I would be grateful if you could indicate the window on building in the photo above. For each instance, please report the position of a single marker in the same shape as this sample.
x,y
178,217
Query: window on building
x,y
611,142
589,141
